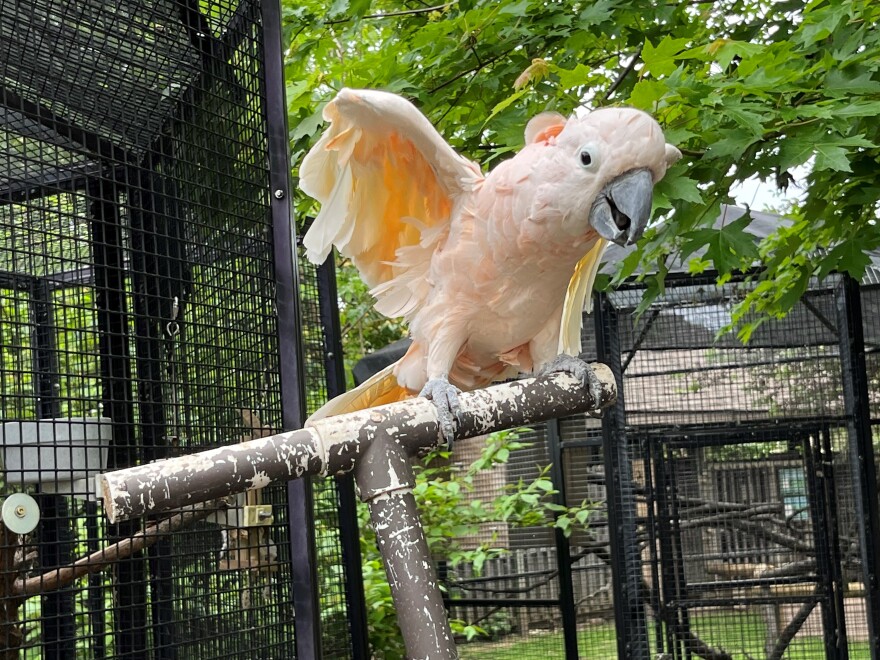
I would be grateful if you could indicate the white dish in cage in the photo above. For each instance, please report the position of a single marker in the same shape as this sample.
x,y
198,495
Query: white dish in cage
x,y
60,454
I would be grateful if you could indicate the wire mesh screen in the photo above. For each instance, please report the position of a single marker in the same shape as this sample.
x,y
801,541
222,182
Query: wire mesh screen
x,y
513,598
137,293
737,477
332,570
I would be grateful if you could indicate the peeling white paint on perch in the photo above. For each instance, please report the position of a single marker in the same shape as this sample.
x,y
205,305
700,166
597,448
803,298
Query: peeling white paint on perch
x,y
334,445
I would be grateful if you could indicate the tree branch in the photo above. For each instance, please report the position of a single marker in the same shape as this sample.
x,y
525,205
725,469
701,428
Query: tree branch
x,y
101,559
624,73
393,14
791,630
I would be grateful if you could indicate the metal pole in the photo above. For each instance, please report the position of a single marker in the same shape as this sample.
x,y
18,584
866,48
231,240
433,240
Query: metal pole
x,y
567,606
300,504
861,451
626,569
116,392
160,282
385,479
820,472
349,533
54,535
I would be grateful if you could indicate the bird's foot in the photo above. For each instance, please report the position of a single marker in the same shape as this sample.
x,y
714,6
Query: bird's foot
x,y
568,364
444,396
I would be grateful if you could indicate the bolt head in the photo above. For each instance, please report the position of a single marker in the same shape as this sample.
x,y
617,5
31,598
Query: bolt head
x,y
20,511
279,194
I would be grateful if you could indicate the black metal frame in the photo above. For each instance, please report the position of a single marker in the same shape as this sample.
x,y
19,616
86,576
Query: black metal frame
x,y
300,499
349,531
629,607
131,195
861,451
673,596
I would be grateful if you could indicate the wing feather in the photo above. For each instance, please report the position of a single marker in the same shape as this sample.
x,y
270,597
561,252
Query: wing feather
x,y
383,176
578,298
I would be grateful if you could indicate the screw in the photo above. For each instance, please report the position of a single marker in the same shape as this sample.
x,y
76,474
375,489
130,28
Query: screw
x,y
20,511
279,194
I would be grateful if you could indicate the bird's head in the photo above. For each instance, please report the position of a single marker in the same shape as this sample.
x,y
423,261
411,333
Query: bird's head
x,y
602,169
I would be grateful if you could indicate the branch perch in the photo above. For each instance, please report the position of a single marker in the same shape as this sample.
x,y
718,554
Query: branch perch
x,y
101,559
334,445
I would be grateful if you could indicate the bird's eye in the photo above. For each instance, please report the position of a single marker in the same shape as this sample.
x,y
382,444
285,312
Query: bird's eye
x,y
588,157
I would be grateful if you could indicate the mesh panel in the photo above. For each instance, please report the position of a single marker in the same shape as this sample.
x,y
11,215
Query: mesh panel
x,y
741,492
138,321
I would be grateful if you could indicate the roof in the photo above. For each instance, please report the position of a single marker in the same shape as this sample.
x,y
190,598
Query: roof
x,y
98,80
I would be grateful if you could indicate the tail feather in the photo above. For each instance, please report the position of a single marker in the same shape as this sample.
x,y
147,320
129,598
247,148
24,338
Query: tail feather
x,y
379,389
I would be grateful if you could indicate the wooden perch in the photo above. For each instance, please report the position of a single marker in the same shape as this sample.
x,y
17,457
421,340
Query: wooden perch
x,y
101,559
334,445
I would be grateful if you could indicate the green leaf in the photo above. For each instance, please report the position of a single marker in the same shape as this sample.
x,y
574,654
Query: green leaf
x,y
506,103
795,151
519,9
821,23
597,12
840,83
660,60
731,246
748,119
308,126
848,257
677,185
575,77
733,143
646,93
832,157
338,7
727,49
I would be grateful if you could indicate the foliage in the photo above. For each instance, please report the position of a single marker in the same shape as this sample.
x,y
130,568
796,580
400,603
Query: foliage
x,y
449,516
782,90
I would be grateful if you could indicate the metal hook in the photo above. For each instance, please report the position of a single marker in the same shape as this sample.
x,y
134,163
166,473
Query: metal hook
x,y
173,327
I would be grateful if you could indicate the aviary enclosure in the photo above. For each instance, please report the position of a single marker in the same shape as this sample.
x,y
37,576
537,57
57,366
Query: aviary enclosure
x,y
151,304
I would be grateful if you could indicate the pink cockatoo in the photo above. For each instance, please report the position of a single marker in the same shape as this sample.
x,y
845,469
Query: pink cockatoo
x,y
491,271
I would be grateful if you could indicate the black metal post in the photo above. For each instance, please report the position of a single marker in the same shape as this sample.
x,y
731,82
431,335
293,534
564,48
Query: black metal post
x,y
626,569
116,378
663,639
300,507
95,597
861,451
567,604
819,468
161,284
349,532
673,583
54,534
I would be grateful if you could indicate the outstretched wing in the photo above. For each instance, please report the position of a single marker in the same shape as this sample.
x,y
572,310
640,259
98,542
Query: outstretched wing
x,y
388,185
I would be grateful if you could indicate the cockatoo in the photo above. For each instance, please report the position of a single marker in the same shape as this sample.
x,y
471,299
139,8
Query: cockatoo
x,y
491,271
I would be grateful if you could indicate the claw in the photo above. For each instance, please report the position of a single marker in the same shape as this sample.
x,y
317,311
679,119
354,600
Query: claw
x,y
569,364
444,396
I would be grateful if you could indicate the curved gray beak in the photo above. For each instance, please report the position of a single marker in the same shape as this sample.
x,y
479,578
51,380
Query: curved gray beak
x,y
623,208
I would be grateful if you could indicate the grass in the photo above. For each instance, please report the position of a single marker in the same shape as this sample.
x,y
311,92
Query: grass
x,y
740,634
